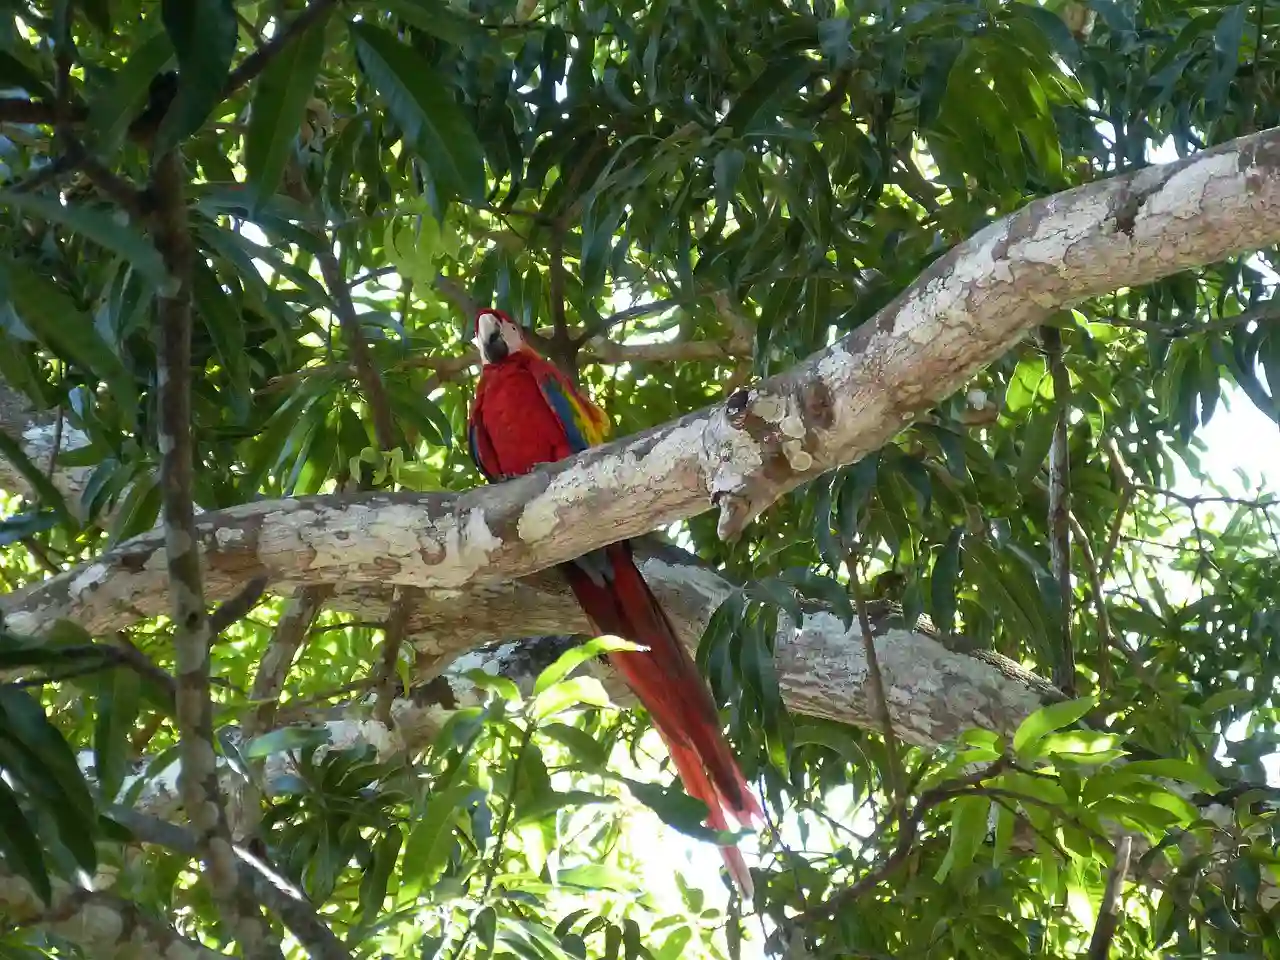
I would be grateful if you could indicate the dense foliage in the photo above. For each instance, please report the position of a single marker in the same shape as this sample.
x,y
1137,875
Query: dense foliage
x,y
679,196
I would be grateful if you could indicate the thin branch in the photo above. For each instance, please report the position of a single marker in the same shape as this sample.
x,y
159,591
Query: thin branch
x,y
877,682
1265,312
596,351
1104,930
100,923
1106,642
291,630
37,550
1064,669
908,829
198,778
1127,491
236,608
491,870
21,110
258,61
634,312
458,294
394,633
254,875
362,360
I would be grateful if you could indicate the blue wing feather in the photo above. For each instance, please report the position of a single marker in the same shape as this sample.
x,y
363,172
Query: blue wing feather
x,y
473,443
565,413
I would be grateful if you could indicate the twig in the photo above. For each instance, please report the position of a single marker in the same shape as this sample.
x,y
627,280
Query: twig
x,y
1128,489
1104,930
370,382
198,778
394,632
1105,641
459,295
236,608
908,828
634,312
57,443
877,682
596,351
42,556
1064,669
495,861
276,893
290,632
257,61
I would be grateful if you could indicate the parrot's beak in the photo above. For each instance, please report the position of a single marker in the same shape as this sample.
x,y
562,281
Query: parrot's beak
x,y
494,346
489,340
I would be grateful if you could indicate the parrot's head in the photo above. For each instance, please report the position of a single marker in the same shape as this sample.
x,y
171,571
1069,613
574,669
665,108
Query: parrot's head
x,y
497,336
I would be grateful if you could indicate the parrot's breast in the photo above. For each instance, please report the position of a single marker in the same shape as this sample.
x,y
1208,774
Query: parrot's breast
x,y
522,427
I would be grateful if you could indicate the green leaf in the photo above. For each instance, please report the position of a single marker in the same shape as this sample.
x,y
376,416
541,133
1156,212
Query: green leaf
x,y
373,885
427,846
942,582
117,102
13,71
40,483
1181,770
1046,720
588,753
1224,699
570,659
968,830
54,318
417,97
204,35
279,106
285,739
107,230
502,686
574,692
678,810
116,715
35,752
777,79
21,849
598,876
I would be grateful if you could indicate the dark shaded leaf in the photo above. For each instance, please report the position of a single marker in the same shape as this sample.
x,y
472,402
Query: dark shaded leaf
x,y
110,231
203,34
279,106
21,849
117,713
417,97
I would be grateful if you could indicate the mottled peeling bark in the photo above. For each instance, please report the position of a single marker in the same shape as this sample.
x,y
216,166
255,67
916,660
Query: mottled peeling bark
x,y
198,780
833,408
104,926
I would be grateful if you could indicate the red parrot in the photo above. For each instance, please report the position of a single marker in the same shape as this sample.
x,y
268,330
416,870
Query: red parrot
x,y
526,412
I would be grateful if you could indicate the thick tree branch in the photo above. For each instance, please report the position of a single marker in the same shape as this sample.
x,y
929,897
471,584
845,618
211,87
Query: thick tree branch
x,y
103,925
1109,910
201,793
831,409
258,61
270,889
291,630
1064,669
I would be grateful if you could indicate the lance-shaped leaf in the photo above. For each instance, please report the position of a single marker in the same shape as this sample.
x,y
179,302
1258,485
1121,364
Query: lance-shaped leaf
x,y
417,97
282,95
203,33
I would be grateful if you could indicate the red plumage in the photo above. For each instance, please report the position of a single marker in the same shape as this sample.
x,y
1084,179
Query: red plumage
x,y
524,415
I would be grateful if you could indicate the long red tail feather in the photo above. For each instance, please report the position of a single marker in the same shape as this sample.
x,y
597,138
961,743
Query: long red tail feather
x,y
666,680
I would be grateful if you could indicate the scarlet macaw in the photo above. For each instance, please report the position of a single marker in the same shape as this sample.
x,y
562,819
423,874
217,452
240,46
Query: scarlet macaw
x,y
526,412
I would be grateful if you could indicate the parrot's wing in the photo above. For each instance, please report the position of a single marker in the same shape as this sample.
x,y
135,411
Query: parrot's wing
x,y
482,452
585,424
